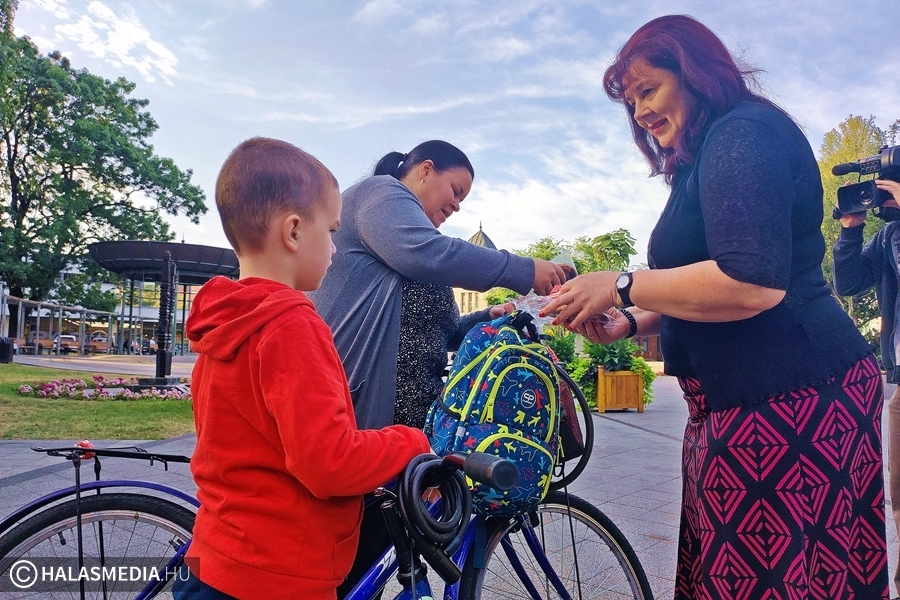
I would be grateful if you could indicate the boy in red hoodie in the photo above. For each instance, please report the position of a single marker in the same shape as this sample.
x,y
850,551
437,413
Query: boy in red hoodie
x,y
279,464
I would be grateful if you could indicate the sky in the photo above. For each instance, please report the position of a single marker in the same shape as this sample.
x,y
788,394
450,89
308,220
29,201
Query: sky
x,y
515,84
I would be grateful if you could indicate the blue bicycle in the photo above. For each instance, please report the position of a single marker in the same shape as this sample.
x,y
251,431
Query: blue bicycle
x,y
566,548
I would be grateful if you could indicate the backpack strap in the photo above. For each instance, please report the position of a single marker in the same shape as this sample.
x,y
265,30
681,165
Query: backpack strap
x,y
447,409
524,322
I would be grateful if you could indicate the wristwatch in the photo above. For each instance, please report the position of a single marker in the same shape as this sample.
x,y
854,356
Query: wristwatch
x,y
623,287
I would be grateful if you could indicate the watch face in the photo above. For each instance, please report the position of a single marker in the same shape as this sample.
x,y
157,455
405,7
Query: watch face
x,y
622,281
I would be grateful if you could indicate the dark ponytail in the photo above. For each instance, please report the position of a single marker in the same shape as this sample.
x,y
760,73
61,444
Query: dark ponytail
x,y
444,156
390,164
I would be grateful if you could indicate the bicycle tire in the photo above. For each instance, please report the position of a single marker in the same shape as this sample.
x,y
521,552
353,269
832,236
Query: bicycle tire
x,y
606,567
136,529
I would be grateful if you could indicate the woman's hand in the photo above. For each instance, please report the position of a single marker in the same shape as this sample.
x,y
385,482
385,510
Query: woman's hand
x,y
586,296
502,309
605,331
547,275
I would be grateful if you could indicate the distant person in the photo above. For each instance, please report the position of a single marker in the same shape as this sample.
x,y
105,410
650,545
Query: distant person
x,y
783,491
858,269
389,295
279,464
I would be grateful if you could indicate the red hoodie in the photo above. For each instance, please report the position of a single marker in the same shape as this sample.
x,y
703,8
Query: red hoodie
x,y
279,462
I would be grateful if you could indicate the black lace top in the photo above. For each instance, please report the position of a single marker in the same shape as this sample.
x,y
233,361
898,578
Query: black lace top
x,y
753,202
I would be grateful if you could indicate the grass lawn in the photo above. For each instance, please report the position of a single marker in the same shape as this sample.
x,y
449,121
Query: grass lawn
x,y
23,417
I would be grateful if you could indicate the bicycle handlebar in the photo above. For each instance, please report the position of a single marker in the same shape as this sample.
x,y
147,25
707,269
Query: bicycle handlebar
x,y
437,536
499,473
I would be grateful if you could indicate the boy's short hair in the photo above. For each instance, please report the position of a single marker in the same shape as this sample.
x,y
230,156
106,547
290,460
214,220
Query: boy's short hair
x,y
261,178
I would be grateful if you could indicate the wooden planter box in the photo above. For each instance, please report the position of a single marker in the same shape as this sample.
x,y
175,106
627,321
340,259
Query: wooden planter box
x,y
619,390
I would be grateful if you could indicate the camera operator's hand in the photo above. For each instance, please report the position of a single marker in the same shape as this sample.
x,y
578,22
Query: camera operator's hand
x,y
854,219
892,188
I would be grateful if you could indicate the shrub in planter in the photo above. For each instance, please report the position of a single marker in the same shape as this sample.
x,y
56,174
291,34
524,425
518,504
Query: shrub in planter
x,y
619,356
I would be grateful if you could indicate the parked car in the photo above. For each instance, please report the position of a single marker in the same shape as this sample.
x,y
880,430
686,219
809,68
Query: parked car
x,y
98,342
66,343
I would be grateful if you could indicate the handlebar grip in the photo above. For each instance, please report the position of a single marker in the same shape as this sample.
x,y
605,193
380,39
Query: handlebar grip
x,y
499,473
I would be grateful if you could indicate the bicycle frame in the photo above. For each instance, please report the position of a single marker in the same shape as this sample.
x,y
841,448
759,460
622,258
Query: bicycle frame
x,y
541,558
381,572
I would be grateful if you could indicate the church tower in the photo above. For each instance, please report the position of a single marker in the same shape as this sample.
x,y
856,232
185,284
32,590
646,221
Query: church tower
x,y
467,300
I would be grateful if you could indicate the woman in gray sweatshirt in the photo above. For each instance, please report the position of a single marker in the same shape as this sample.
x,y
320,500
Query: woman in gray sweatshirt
x,y
388,295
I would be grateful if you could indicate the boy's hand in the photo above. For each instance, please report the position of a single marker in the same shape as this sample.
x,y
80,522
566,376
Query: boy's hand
x,y
432,495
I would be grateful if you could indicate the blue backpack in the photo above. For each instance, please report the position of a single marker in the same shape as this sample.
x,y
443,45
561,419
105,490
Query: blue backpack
x,y
502,398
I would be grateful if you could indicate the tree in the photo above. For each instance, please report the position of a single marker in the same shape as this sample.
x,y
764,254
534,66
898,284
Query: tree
x,y
608,252
77,167
854,138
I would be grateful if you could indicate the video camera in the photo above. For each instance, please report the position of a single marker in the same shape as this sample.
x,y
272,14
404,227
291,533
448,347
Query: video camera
x,y
865,195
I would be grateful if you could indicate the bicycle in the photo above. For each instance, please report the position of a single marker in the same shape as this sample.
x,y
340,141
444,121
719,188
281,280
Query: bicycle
x,y
566,548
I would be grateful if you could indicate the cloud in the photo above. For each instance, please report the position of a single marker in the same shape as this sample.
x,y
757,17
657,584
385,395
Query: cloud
x,y
120,40
504,49
583,188
377,11
56,7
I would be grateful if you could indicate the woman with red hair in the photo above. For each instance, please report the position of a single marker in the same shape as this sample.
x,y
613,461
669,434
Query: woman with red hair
x,y
783,492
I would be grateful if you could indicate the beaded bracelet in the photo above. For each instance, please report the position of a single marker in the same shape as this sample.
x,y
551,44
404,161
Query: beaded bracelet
x,y
631,320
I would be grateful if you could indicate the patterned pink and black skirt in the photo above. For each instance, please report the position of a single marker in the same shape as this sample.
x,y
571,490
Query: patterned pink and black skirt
x,y
784,499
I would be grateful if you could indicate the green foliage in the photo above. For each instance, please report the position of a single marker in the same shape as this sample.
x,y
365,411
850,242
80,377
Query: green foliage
x,y
619,356
7,12
77,168
608,252
499,295
584,373
85,291
562,342
546,248
612,251
648,376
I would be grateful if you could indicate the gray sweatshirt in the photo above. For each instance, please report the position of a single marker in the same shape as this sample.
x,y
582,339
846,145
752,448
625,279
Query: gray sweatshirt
x,y
384,238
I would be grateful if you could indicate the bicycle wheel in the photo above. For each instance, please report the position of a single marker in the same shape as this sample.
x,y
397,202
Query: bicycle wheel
x,y
131,530
588,553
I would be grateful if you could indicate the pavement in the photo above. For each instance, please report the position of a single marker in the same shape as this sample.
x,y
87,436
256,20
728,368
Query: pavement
x,y
634,475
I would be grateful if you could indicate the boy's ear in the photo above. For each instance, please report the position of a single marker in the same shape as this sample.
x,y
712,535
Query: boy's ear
x,y
290,231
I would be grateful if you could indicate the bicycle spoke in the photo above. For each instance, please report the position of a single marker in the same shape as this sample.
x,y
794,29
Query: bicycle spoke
x,y
587,558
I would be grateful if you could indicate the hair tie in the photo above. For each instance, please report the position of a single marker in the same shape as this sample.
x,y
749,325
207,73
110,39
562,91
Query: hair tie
x,y
404,158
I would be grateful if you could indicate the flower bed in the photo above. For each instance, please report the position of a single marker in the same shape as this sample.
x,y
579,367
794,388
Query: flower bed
x,y
99,388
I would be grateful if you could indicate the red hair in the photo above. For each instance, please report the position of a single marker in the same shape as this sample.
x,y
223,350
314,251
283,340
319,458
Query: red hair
x,y
703,65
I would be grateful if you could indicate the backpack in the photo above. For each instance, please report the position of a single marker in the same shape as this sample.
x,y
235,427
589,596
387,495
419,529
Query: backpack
x,y
501,398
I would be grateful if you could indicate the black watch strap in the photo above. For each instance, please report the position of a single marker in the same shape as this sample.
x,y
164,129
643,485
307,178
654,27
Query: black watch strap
x,y
632,330
623,288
